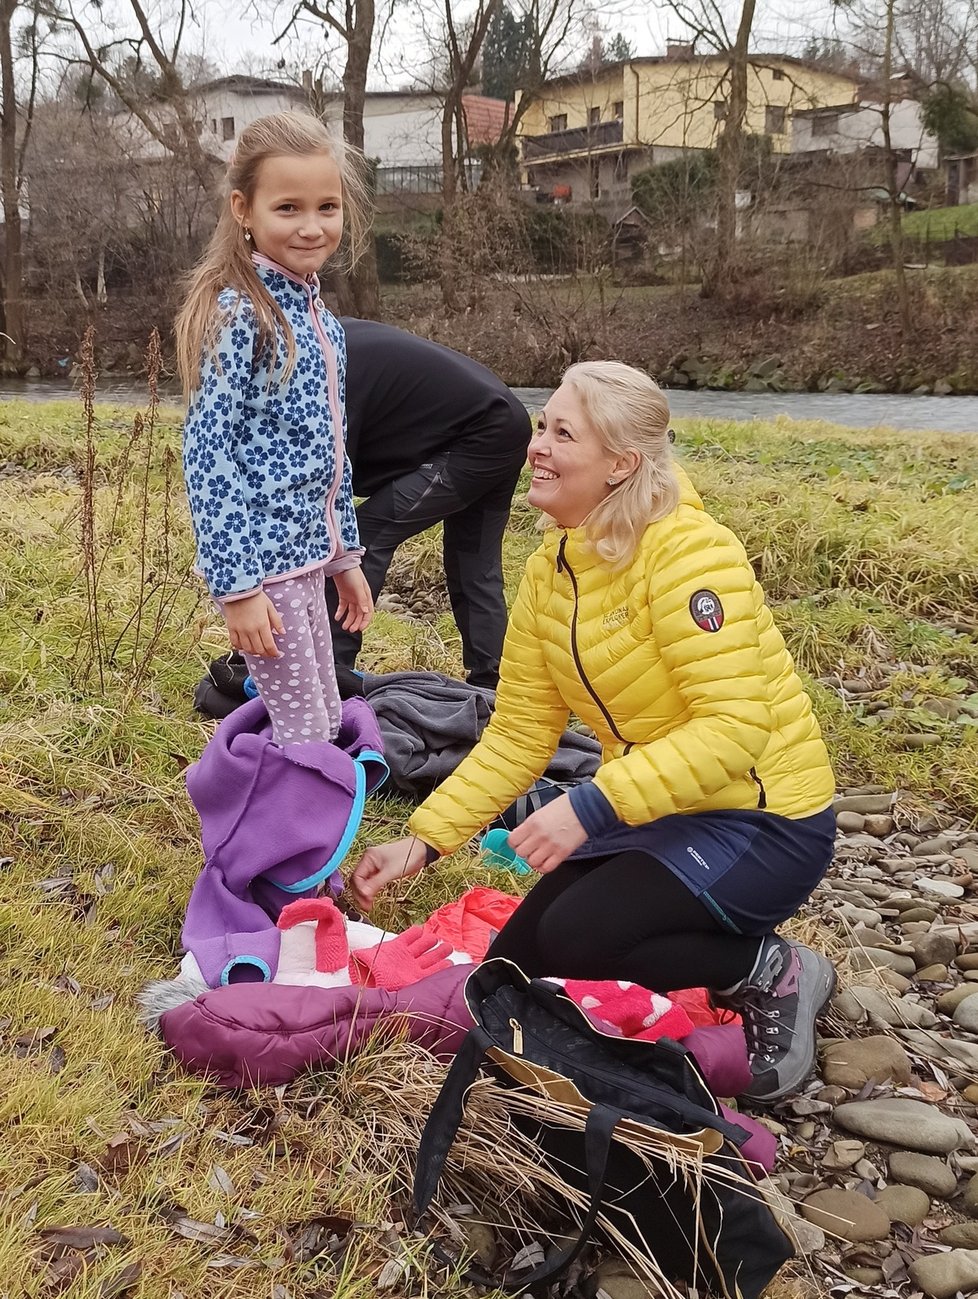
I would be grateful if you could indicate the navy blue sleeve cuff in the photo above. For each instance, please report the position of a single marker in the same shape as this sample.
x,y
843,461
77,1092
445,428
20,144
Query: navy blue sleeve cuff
x,y
430,854
592,809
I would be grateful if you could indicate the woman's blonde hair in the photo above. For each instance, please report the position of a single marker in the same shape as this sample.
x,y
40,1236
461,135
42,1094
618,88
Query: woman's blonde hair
x,y
227,264
629,412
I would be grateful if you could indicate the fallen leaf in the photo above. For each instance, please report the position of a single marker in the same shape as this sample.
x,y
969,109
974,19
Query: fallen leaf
x,y
193,1229
121,1152
103,1003
391,1273
219,1181
57,1059
86,1178
61,1272
932,1091
122,1282
31,1043
529,1256
82,1237
229,1260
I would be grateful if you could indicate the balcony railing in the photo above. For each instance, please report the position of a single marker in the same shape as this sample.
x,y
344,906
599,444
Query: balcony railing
x,y
578,139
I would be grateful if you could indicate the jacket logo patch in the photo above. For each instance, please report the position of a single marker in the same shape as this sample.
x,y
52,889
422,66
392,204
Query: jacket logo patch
x,y
616,618
707,610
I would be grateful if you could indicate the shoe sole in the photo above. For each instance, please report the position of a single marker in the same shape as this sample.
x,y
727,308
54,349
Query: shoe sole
x,y
822,996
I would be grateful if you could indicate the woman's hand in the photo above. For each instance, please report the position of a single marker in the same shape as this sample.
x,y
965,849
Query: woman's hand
x,y
356,604
380,866
549,836
251,623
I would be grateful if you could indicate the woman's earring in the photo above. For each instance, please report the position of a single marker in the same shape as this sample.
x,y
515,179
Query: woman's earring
x,y
612,482
247,235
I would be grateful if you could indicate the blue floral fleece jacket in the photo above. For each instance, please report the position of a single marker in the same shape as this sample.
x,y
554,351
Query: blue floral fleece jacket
x,y
264,458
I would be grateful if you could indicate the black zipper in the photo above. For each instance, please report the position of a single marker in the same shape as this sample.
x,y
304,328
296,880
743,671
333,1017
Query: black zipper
x,y
761,791
564,567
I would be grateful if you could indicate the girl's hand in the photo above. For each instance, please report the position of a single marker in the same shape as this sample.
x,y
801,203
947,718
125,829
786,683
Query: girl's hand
x,y
250,624
549,836
356,604
380,866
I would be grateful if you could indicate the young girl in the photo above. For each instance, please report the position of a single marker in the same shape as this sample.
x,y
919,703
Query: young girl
x,y
264,367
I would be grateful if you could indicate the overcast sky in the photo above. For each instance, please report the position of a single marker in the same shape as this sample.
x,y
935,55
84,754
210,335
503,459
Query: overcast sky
x,y
234,36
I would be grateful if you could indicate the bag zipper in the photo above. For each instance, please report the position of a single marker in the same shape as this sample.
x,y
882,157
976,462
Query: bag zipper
x,y
564,567
517,1036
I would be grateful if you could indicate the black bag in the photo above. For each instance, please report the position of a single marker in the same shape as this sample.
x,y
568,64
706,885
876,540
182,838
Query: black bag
x,y
708,1226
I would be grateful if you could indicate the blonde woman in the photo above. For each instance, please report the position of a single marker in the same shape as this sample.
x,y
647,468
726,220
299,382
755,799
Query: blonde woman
x,y
264,367
710,819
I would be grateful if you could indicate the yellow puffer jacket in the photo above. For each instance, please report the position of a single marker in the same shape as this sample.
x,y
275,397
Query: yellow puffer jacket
x,y
676,665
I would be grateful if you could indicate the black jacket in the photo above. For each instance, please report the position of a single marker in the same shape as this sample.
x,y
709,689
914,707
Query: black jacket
x,y
408,399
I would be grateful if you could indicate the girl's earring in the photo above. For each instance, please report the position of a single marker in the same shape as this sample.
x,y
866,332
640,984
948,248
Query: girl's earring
x,y
612,482
247,235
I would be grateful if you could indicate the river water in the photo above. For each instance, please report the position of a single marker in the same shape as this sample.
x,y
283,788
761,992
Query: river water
x,y
855,410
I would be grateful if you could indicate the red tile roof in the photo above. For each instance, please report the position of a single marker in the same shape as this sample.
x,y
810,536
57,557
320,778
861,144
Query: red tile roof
x,y
484,118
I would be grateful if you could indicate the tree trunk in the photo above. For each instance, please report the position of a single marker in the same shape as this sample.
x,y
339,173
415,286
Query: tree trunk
x,y
895,211
359,292
730,148
15,321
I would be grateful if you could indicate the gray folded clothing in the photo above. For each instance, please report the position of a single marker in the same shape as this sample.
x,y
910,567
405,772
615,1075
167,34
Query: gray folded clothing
x,y
429,722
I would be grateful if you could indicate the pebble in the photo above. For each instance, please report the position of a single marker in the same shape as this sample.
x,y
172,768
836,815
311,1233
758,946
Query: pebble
x,y
866,1276
969,961
906,1204
934,949
933,974
910,1124
878,824
858,1061
481,1241
948,1002
614,1278
942,1048
970,1093
942,1276
917,913
850,822
966,1015
842,1155
966,853
939,888
858,915
874,958
924,1171
847,1214
895,1011
867,804
930,847
970,1202
960,1235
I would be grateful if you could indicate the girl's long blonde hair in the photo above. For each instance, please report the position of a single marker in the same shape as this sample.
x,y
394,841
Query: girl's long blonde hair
x,y
227,264
629,412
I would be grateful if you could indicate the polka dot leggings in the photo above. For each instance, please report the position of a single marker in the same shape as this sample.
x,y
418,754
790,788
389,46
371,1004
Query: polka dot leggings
x,y
299,689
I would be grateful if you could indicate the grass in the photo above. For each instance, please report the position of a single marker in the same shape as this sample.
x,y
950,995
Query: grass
x,y
938,224
863,542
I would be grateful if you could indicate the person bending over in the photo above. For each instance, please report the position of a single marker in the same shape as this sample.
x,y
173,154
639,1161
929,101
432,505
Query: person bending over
x,y
433,437
710,819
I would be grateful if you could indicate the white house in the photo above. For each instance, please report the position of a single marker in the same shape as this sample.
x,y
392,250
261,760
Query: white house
x,y
226,106
850,128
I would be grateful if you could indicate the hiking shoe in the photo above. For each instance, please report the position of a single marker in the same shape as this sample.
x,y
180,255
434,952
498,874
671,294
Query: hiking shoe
x,y
779,1001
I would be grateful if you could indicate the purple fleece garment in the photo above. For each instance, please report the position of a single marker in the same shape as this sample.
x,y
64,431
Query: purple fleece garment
x,y
274,823
266,1034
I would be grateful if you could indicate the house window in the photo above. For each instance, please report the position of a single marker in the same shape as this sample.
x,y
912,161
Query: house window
x,y
213,126
778,74
227,128
824,125
618,108
593,116
774,120
720,109
557,123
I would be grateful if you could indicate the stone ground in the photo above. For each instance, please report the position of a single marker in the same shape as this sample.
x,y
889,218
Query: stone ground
x,y
878,1154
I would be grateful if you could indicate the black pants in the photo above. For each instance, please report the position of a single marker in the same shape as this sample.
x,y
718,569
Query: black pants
x,y
475,514
625,917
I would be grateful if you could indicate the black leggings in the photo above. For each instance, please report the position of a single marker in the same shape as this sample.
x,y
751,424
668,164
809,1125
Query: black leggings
x,y
624,917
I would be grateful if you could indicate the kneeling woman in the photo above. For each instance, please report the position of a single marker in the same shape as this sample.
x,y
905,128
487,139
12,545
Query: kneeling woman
x,y
710,821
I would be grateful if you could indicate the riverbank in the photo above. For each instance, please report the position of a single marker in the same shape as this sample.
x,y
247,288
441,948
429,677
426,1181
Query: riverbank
x,y
864,544
788,333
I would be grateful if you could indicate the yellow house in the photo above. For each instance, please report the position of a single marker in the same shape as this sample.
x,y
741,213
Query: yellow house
x,y
588,132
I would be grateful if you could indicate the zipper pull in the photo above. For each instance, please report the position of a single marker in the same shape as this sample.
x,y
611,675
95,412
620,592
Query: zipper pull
x,y
517,1037
561,562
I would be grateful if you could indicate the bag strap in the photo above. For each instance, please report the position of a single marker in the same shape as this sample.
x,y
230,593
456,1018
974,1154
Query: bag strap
x,y
441,1127
439,1135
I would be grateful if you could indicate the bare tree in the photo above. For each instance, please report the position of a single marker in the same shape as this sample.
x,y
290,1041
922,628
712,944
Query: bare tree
x,y
353,21
168,115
